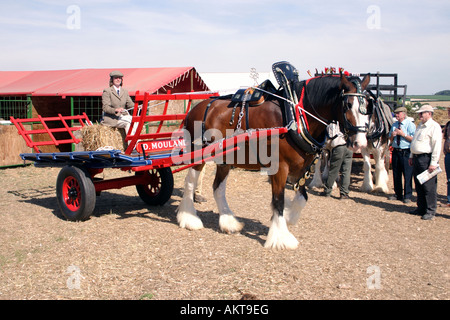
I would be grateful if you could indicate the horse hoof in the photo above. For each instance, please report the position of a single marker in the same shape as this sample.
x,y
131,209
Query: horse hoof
x,y
279,237
288,242
366,189
189,221
380,189
229,224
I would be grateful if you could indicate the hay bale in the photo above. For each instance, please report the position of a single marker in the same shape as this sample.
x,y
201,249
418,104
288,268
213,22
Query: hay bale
x,y
100,136
11,145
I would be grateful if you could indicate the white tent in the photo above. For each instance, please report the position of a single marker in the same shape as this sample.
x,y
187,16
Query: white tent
x,y
230,82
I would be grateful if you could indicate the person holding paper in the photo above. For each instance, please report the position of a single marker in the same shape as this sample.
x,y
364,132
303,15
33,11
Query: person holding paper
x,y
425,151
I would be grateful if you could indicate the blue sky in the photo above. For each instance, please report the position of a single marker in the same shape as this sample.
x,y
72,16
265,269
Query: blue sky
x,y
411,38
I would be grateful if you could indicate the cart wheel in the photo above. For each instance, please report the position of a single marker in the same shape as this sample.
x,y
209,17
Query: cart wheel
x,y
75,192
159,188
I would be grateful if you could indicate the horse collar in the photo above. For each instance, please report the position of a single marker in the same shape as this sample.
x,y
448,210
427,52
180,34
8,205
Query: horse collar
x,y
297,123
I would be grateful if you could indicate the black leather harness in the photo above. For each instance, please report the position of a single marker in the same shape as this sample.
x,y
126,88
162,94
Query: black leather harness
x,y
287,95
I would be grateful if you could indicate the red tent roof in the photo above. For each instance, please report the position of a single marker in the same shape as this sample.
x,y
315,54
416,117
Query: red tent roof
x,y
91,82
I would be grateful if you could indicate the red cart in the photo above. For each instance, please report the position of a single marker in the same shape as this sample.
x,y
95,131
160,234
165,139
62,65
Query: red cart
x,y
149,156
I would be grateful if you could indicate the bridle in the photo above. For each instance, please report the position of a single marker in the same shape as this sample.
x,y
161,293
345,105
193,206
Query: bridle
x,y
348,126
364,108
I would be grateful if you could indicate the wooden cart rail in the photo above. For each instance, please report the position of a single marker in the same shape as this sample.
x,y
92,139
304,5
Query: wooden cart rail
x,y
61,123
141,117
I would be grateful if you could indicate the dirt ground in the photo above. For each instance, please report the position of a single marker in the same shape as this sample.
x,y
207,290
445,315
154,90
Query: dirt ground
x,y
364,248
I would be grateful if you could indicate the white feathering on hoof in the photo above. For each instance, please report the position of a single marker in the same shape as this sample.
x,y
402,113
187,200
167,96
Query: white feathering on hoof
x,y
187,216
279,237
188,219
227,221
294,208
367,185
229,224
381,178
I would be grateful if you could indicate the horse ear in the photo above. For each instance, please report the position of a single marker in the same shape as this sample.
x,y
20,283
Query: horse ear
x,y
365,82
345,84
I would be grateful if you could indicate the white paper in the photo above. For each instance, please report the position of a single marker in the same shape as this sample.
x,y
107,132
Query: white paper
x,y
426,175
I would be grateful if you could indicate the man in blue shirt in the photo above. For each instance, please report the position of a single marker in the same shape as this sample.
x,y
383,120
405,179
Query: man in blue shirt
x,y
401,134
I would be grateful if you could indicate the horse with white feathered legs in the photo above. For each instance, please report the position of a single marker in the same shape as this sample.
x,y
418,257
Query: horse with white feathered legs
x,y
377,145
304,109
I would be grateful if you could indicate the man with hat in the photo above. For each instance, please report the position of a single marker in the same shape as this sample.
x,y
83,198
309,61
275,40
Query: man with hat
x,y
425,152
401,134
115,102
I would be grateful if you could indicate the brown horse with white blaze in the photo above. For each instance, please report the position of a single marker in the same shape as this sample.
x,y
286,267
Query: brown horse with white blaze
x,y
321,100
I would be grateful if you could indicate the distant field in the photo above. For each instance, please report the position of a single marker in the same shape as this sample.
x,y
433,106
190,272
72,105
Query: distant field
x,y
429,97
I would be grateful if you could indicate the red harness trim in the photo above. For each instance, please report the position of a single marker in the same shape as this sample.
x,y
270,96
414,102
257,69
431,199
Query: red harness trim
x,y
299,110
299,106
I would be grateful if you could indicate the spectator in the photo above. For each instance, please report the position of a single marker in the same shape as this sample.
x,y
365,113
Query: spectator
x,y
447,157
401,135
425,151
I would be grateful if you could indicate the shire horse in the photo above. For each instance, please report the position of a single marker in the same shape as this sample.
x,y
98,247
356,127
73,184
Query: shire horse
x,y
323,99
378,146
380,123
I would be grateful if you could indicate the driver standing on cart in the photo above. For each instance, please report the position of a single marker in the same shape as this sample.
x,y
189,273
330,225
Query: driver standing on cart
x,y
116,101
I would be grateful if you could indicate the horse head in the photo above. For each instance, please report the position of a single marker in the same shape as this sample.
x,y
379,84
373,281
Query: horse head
x,y
356,111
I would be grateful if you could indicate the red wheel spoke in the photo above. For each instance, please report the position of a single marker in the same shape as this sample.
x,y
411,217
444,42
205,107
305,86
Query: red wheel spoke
x,y
71,193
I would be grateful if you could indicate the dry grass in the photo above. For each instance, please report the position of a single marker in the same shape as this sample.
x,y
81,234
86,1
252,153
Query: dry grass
x,y
100,136
128,250
441,116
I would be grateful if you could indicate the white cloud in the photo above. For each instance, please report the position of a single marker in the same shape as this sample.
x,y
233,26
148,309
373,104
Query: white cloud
x,y
234,35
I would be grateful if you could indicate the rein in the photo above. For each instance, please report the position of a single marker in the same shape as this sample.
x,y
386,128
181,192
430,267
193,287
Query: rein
x,y
293,104
298,107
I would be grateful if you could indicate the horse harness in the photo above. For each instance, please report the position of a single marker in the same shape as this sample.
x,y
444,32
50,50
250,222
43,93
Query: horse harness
x,y
287,77
294,113
382,116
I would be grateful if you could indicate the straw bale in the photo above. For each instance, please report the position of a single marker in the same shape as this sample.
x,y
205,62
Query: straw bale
x,y
11,145
99,136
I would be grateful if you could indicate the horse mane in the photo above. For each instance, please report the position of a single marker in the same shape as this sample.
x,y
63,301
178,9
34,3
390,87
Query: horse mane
x,y
321,90
324,89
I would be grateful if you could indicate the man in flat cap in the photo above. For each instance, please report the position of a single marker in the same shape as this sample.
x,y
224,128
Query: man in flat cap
x,y
401,134
425,152
116,101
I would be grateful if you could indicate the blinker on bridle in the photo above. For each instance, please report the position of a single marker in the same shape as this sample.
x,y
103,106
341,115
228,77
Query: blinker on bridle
x,y
364,109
